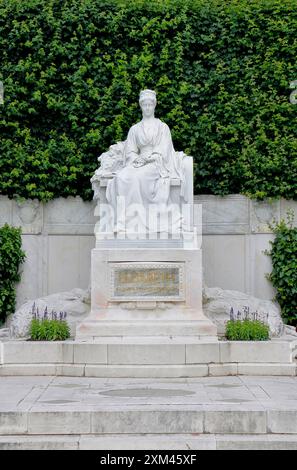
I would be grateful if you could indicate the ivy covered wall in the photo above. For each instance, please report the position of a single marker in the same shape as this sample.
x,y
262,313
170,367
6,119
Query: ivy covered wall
x,y
72,71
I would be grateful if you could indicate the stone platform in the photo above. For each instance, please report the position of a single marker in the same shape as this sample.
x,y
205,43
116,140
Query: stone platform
x,y
146,356
202,413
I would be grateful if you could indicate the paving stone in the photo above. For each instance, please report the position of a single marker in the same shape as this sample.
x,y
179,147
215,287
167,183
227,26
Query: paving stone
x,y
58,422
282,421
12,422
154,421
252,442
39,442
146,371
235,421
147,442
146,354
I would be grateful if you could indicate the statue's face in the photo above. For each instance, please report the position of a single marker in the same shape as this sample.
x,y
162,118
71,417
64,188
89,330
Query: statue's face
x,y
148,108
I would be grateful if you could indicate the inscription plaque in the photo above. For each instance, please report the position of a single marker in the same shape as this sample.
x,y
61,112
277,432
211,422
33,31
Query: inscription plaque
x,y
147,281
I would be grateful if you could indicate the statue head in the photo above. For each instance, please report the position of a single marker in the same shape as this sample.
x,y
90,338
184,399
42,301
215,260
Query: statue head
x,y
147,102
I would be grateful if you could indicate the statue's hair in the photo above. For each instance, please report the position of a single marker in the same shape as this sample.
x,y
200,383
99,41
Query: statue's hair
x,y
147,95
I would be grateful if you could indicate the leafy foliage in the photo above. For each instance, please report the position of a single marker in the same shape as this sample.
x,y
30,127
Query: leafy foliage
x,y
247,330
48,330
284,268
11,256
72,72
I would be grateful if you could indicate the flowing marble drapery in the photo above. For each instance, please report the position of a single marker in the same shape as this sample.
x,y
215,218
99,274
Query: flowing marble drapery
x,y
149,183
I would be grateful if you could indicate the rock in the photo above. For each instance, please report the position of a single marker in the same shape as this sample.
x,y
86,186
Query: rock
x,y
290,331
76,303
218,302
4,333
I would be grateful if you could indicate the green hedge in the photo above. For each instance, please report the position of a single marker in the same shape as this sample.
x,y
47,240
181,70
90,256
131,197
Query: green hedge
x,y
284,269
73,69
11,256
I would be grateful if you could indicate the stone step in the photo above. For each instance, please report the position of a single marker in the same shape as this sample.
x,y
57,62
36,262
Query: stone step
x,y
176,356
125,351
50,418
150,442
91,330
150,371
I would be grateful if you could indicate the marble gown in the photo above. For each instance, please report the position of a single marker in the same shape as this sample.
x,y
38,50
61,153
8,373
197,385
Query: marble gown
x,y
148,184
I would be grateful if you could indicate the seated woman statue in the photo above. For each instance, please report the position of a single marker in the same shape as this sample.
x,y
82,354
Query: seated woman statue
x,y
149,162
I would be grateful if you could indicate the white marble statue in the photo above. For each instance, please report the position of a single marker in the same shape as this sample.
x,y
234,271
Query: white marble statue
x,y
142,168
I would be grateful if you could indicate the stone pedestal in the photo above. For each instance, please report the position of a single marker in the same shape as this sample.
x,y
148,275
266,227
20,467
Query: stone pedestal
x,y
146,292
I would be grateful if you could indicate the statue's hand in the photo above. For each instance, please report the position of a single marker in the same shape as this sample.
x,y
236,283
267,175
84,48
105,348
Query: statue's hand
x,y
151,158
139,162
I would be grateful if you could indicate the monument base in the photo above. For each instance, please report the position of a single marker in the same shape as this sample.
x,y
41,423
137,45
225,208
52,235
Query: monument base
x,y
146,292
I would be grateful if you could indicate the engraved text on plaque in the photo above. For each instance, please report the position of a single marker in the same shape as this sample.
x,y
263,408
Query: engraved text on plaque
x,y
147,281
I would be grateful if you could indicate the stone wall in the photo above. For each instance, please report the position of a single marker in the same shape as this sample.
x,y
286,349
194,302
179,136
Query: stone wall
x,y
58,238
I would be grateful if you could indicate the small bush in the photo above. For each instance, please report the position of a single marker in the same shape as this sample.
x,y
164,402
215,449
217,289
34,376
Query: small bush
x,y
49,330
11,256
247,330
284,267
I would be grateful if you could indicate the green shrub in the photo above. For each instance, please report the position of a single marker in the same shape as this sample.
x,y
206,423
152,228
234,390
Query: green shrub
x,y
49,330
247,330
284,269
48,326
72,71
11,256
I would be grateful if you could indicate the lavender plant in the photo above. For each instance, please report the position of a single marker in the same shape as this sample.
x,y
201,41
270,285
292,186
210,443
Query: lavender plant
x,y
48,326
247,326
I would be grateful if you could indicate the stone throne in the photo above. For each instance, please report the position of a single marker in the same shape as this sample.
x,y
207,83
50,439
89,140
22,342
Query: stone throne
x,y
146,268
111,162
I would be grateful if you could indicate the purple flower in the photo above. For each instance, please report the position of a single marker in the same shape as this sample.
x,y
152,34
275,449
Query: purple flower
x,y
232,316
45,314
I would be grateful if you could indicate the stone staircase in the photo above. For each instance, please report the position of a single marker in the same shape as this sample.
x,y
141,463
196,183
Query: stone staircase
x,y
108,414
148,393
